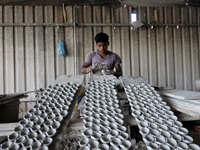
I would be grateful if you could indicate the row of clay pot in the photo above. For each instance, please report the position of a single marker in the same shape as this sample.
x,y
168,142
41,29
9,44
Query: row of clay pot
x,y
39,125
103,120
158,125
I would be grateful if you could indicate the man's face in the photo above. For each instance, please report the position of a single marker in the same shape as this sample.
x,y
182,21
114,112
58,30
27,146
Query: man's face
x,y
102,47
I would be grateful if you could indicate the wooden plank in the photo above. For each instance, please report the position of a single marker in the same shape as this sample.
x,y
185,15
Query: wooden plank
x,y
186,50
7,128
177,50
2,87
195,60
49,47
143,54
187,107
169,49
161,50
69,43
59,32
39,49
185,117
152,65
29,50
9,52
126,66
180,94
19,50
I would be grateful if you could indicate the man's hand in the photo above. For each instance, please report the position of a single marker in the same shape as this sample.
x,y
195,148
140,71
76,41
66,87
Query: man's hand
x,y
86,68
118,72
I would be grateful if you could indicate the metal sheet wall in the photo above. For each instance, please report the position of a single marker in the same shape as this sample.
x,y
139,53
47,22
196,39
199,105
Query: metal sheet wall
x,y
166,55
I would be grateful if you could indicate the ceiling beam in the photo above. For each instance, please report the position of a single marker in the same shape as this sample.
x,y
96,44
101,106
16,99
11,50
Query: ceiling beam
x,y
60,2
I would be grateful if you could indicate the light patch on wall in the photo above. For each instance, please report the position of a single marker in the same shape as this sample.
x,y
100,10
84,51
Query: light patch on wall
x,y
134,15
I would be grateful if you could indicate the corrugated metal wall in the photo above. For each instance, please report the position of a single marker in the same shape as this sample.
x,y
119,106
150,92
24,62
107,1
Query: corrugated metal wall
x,y
166,54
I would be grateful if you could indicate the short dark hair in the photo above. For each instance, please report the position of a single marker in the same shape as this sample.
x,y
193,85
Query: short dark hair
x,y
102,37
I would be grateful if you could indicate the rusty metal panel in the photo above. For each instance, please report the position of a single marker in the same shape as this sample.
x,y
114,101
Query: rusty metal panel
x,y
169,48
87,33
80,39
69,43
39,49
186,50
49,47
19,50
198,31
134,47
152,53
161,50
1,54
9,51
125,48
59,35
194,45
29,50
165,56
143,53
178,66
97,18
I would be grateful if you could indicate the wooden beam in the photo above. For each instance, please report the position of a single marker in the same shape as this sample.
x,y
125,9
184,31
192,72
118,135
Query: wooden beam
x,y
60,2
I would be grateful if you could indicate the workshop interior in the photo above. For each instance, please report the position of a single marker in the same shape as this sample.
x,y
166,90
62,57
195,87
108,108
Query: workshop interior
x,y
47,103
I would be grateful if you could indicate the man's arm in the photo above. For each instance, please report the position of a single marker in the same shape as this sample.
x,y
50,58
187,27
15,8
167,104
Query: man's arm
x,y
118,71
86,68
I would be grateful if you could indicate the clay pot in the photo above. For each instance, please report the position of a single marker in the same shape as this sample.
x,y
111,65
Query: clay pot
x,y
125,144
96,136
6,145
47,141
115,141
27,143
84,142
36,145
40,137
19,128
20,139
32,135
51,132
106,138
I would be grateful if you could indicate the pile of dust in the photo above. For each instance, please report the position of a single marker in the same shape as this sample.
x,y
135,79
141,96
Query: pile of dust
x,y
70,140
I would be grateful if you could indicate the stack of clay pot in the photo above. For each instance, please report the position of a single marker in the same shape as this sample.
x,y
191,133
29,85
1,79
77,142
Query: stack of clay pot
x,y
103,120
40,124
158,125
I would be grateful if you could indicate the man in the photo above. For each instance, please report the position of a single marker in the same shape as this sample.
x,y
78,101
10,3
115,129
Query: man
x,y
102,61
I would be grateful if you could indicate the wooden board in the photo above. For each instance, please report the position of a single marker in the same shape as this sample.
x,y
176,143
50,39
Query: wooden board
x,y
180,94
126,80
63,79
189,107
7,128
